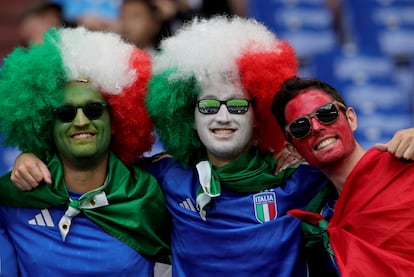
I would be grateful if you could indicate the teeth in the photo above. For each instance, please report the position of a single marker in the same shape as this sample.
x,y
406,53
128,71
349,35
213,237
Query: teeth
x,y
223,131
82,136
325,143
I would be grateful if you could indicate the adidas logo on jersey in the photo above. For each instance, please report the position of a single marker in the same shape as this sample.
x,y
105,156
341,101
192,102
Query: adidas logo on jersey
x,y
187,204
42,219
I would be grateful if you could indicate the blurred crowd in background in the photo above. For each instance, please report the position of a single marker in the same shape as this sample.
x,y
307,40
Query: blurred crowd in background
x,y
143,22
364,48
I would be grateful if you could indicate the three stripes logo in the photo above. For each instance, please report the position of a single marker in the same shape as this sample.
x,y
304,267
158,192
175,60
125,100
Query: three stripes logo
x,y
187,204
265,206
42,219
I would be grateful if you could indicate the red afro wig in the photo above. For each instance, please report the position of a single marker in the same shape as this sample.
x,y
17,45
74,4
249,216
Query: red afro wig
x,y
262,74
131,125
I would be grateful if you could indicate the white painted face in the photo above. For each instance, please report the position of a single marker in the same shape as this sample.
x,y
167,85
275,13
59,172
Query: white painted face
x,y
226,136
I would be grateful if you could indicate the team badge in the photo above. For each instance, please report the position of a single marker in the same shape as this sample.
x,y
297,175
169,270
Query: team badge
x,y
265,206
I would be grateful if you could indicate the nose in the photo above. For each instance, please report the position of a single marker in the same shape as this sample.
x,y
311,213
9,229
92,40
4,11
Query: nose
x,y
80,119
316,126
223,114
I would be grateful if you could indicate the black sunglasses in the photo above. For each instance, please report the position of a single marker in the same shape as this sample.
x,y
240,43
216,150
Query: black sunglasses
x,y
92,110
326,114
212,106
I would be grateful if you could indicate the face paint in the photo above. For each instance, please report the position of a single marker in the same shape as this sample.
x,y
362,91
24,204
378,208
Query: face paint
x,y
225,135
327,143
82,140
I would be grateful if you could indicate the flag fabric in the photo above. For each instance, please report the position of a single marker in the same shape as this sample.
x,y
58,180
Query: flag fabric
x,y
257,176
371,231
136,214
372,228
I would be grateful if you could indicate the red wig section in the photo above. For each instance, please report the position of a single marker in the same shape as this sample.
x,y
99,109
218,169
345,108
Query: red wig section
x,y
262,74
131,124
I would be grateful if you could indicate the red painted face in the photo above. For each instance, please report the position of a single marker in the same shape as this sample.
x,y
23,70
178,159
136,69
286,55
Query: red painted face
x,y
327,143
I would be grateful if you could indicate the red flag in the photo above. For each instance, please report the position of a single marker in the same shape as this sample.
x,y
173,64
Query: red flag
x,y
312,218
372,229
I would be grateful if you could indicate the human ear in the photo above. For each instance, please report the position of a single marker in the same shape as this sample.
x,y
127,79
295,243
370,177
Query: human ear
x,y
352,118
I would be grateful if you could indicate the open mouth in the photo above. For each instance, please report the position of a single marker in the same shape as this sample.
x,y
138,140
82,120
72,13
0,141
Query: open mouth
x,y
325,143
83,136
223,131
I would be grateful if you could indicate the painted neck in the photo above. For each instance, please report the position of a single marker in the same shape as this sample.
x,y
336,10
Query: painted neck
x,y
338,172
87,178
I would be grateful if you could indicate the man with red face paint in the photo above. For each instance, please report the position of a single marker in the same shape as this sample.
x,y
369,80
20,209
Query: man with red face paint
x,y
372,221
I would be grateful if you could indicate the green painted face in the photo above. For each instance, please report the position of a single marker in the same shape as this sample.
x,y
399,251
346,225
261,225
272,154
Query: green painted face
x,y
82,141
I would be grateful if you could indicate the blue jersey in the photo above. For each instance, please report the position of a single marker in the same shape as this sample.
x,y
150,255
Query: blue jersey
x,y
245,234
87,251
8,261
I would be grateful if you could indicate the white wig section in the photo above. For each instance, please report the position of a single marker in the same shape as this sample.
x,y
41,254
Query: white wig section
x,y
106,67
209,48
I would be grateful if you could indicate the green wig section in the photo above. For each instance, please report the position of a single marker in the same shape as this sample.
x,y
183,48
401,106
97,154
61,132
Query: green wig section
x,y
31,82
171,105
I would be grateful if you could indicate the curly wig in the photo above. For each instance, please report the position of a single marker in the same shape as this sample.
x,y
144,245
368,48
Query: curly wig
x,y
236,51
32,82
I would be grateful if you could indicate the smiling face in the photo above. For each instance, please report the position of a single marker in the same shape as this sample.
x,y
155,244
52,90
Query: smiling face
x,y
326,143
82,141
226,136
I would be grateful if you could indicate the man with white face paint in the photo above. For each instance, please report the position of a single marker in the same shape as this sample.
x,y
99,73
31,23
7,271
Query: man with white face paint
x,y
225,135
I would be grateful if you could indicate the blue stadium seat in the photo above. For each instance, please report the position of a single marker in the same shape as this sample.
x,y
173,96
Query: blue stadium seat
x,y
350,64
256,7
378,97
381,127
384,26
308,28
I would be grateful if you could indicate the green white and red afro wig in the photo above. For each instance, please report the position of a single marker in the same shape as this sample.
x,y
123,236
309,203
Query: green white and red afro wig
x,y
229,51
32,82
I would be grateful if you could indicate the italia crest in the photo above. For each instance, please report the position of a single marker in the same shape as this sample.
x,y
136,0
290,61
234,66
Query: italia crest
x,y
265,206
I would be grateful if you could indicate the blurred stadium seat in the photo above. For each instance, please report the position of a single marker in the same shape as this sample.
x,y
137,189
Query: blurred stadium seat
x,y
384,26
378,97
380,128
350,64
306,24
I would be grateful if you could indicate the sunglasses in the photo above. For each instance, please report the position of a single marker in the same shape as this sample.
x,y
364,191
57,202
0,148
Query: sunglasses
x,y
212,106
92,110
326,114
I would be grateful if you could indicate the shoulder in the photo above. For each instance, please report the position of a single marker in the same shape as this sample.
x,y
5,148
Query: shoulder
x,y
306,182
305,171
164,166
375,159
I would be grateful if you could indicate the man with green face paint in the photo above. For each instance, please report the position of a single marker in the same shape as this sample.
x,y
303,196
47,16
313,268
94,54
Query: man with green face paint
x,y
87,146
99,217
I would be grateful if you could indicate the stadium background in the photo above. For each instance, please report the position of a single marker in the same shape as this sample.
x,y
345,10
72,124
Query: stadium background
x,y
364,48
